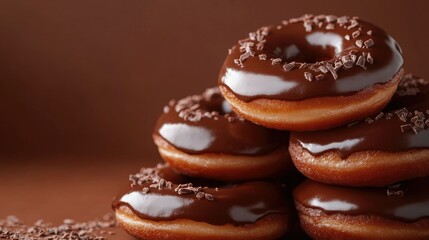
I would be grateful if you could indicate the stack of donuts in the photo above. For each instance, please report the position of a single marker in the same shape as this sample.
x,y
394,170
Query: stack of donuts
x,y
324,95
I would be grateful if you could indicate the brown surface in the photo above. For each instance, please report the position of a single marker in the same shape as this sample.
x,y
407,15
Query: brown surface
x,y
87,78
90,76
49,190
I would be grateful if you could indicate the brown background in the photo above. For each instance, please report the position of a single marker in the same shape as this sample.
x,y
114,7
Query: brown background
x,y
82,83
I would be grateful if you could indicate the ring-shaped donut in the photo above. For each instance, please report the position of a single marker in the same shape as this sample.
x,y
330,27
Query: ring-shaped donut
x,y
312,73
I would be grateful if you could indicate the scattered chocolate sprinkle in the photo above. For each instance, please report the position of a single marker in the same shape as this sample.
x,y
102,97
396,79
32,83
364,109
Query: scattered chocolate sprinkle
x,y
417,129
406,127
200,195
289,66
145,190
342,20
352,124
319,77
369,43
420,124
184,191
308,76
361,62
353,24
395,193
209,197
402,114
323,69
379,116
14,229
330,26
347,61
338,64
359,43
303,65
331,18
166,109
189,108
353,57
332,70
150,179
275,61
262,56
389,116
308,26
257,40
369,58
252,36
369,120
238,62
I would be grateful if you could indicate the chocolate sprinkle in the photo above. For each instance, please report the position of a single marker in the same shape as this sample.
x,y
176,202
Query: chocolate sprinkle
x,y
14,229
379,116
275,61
256,40
289,66
330,26
347,61
189,108
368,43
308,76
262,56
361,62
359,43
319,77
369,58
151,176
406,127
332,70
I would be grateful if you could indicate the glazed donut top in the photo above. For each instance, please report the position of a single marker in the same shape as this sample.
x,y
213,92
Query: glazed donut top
x,y
161,194
404,123
206,124
310,56
408,201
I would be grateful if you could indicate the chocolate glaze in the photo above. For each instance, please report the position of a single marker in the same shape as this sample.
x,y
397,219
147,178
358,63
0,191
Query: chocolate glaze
x,y
256,79
379,135
408,202
206,124
235,204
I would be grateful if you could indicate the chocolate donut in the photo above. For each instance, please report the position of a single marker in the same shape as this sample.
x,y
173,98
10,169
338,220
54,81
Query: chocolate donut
x,y
312,73
200,136
389,147
396,212
161,204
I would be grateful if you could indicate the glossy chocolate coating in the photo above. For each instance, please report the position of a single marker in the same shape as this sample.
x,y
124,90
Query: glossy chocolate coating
x,y
407,203
260,79
235,204
381,135
221,132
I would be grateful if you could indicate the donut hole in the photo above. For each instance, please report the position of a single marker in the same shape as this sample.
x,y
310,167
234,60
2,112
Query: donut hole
x,y
217,104
311,48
